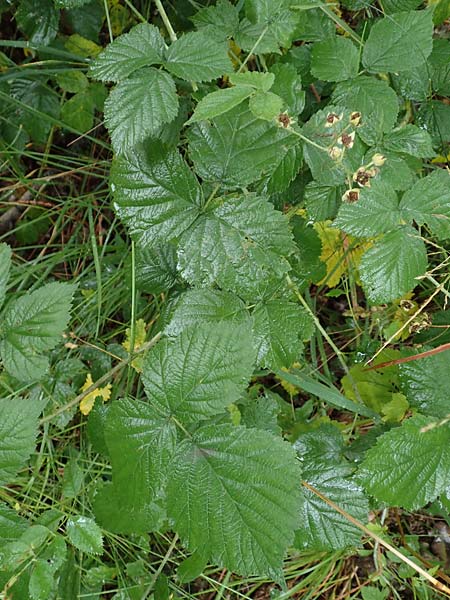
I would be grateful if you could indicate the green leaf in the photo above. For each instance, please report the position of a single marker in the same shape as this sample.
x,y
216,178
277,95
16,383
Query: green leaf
x,y
5,265
284,174
78,112
156,268
72,81
31,326
236,147
38,20
138,106
220,102
322,201
408,467
389,268
18,430
43,102
85,534
279,328
439,62
335,59
375,212
234,492
396,6
410,140
41,580
12,525
141,443
434,116
240,245
260,412
200,372
424,384
374,99
428,201
255,79
71,3
288,85
265,105
399,42
155,193
222,19
197,56
197,306
276,20
142,46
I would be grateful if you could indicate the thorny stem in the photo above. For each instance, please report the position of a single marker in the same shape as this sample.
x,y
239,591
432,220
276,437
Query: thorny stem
x,y
103,379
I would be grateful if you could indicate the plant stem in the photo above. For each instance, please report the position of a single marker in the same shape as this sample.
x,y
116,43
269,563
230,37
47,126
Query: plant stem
x,y
308,141
166,21
103,379
255,45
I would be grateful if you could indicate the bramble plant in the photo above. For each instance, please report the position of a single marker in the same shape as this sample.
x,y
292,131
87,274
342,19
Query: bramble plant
x,y
272,148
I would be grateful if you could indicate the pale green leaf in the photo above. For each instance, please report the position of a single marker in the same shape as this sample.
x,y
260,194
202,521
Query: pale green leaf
x,y
236,148
279,328
85,534
234,492
255,79
200,372
424,384
399,42
137,107
266,105
31,326
155,193
141,46
220,102
390,267
5,265
409,140
375,212
197,306
12,525
240,245
374,99
197,56
428,201
335,59
18,430
408,467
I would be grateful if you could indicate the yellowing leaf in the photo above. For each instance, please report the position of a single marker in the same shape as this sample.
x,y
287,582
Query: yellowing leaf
x,y
289,387
139,338
77,44
340,253
87,403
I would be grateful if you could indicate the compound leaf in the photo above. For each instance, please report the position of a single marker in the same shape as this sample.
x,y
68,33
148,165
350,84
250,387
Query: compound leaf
x,y
32,325
240,245
428,201
234,492
155,193
138,106
141,46
335,59
399,42
200,372
389,268
408,467
375,212
18,430
197,56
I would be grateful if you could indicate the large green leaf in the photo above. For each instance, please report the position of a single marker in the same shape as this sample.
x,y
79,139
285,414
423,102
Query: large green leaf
x,y
18,430
197,56
138,106
408,467
141,46
375,212
399,42
156,267
335,59
374,99
235,148
5,265
389,268
155,193
424,384
38,20
234,493
240,245
141,444
200,372
197,306
428,201
279,328
31,326
409,139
